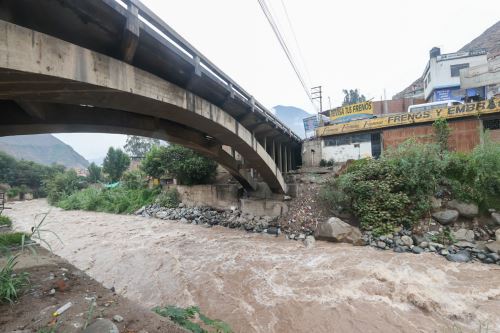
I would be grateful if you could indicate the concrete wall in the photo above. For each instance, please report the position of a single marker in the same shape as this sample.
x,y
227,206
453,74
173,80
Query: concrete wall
x,y
311,153
464,135
217,196
263,207
347,152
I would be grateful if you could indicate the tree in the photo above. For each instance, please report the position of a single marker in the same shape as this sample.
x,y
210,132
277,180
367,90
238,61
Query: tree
x,y
138,146
154,164
115,163
352,97
94,173
187,166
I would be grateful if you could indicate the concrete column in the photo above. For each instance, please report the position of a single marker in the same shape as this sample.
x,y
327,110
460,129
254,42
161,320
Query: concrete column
x,y
289,159
285,167
273,152
280,164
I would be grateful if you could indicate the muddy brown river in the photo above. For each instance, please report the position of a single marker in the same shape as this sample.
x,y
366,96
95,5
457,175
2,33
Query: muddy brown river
x,y
259,283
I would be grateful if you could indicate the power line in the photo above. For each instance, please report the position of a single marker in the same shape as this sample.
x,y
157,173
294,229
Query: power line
x,y
284,46
301,56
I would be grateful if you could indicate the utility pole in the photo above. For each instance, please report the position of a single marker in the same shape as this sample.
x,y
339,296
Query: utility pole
x,y
316,93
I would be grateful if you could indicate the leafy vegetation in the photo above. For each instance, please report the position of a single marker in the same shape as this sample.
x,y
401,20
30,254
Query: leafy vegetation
x,y
25,176
168,199
134,179
115,163
138,146
95,173
11,284
187,166
442,133
12,239
186,318
5,221
62,185
325,163
115,200
352,96
396,189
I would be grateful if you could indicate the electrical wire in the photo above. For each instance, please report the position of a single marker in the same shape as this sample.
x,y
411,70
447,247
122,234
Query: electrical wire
x,y
285,48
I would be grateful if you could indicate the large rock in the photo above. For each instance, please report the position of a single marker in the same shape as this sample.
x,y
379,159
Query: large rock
x,y
465,209
446,217
496,217
407,240
464,235
493,247
497,235
336,230
309,241
436,202
101,326
460,256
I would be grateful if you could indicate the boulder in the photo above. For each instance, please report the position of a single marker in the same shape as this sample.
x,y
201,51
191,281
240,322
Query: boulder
x,y
436,202
446,217
497,235
464,209
336,230
101,326
493,247
465,244
417,249
460,256
406,240
463,235
309,241
496,217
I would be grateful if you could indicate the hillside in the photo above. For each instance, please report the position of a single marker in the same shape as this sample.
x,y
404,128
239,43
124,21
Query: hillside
x,y
489,40
292,117
42,148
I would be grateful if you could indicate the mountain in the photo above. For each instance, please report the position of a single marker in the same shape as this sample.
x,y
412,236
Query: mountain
x,y
292,117
489,40
42,148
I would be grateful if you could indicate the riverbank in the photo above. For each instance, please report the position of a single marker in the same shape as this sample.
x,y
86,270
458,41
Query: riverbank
x,y
260,283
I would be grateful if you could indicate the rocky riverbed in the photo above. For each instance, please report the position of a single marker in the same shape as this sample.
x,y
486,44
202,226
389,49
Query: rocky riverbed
x,y
260,283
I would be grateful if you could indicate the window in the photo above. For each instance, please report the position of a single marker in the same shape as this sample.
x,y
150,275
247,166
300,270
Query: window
x,y
455,69
491,124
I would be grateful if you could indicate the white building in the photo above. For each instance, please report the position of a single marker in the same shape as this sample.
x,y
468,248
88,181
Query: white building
x,y
442,75
485,75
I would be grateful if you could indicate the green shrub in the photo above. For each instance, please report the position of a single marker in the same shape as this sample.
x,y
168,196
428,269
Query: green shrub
x,y
186,165
394,190
116,200
10,283
135,179
12,239
168,199
5,220
184,318
322,163
62,185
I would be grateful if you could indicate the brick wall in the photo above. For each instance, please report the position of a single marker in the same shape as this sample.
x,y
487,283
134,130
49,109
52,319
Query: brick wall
x,y
464,135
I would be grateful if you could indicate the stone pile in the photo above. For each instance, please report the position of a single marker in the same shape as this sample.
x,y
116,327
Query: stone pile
x,y
464,250
231,218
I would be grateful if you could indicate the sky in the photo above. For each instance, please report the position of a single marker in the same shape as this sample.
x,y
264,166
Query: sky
x,y
379,47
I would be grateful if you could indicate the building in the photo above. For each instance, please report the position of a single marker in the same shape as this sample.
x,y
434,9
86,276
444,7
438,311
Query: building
x,y
441,76
484,76
370,137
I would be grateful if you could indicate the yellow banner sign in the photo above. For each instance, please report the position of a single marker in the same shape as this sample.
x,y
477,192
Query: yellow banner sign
x,y
455,111
353,109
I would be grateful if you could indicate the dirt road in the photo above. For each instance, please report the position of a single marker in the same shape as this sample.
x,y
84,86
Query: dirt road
x,y
258,283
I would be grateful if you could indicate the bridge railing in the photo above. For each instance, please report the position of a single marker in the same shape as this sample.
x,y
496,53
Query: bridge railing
x,y
202,63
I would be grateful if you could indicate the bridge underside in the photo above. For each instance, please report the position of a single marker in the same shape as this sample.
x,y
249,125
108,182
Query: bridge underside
x,y
49,85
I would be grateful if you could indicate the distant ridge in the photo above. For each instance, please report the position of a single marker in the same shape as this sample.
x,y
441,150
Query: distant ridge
x,y
42,148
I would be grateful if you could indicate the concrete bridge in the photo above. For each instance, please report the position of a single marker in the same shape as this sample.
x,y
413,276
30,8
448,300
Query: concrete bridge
x,y
115,67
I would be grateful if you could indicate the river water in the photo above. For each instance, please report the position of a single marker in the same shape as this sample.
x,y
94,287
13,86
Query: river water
x,y
259,283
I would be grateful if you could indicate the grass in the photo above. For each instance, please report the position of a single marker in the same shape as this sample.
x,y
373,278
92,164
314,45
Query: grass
x,y
11,284
185,318
5,221
117,200
13,238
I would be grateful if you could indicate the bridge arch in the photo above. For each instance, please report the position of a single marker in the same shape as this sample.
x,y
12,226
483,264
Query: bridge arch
x,y
50,85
